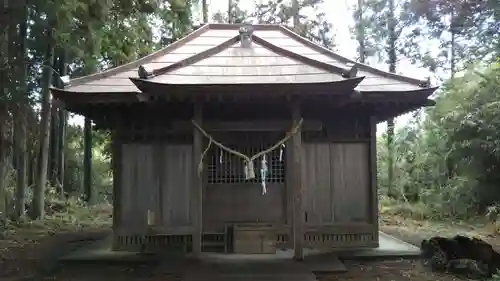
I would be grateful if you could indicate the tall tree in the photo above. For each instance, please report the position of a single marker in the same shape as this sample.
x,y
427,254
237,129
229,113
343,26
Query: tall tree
x,y
474,24
391,33
38,211
62,118
392,55
204,8
234,15
295,15
468,32
54,132
6,58
20,118
317,28
360,31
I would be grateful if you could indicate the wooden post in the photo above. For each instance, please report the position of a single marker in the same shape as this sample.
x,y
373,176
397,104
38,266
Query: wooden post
x,y
297,187
116,163
87,160
196,191
373,177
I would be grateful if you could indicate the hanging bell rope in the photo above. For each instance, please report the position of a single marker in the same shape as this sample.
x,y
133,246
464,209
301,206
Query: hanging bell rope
x,y
249,168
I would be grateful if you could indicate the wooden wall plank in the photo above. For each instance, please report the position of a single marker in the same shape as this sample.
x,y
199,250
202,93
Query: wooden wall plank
x,y
240,203
351,182
126,187
158,178
176,185
318,187
159,162
323,187
144,185
308,166
131,219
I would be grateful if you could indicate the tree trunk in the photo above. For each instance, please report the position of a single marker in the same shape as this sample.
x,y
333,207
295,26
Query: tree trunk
x,y
295,15
391,22
453,32
8,84
21,171
87,160
361,33
41,180
63,117
230,11
4,148
20,122
204,8
54,141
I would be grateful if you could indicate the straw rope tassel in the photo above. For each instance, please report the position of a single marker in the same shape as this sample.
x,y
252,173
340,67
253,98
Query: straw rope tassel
x,y
263,173
249,167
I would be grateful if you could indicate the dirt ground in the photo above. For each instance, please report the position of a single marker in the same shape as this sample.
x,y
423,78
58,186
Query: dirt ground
x,y
30,253
397,270
27,255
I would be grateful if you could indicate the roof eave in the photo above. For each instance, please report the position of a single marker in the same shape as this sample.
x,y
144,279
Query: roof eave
x,y
343,59
415,105
72,97
419,94
340,87
141,61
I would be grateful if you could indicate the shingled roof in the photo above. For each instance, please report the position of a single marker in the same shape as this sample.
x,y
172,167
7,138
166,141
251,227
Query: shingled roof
x,y
213,55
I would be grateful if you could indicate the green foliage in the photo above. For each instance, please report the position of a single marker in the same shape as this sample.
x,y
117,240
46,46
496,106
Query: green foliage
x,y
238,15
474,23
317,29
101,163
450,161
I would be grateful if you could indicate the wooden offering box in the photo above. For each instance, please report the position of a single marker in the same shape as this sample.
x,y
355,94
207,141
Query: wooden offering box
x,y
254,238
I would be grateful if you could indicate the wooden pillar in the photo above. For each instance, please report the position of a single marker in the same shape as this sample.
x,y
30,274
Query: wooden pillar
x,y
373,177
297,187
196,189
87,160
116,164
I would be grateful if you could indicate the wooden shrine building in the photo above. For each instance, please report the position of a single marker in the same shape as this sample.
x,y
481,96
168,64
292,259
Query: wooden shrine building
x,y
188,123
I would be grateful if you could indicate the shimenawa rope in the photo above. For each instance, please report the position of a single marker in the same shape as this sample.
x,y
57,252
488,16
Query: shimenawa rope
x,y
250,172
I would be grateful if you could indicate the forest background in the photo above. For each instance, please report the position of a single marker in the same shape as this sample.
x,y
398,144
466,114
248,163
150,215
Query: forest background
x,y
439,164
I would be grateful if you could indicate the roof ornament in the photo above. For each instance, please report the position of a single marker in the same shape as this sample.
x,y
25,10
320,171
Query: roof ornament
x,y
426,83
246,32
143,73
351,72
